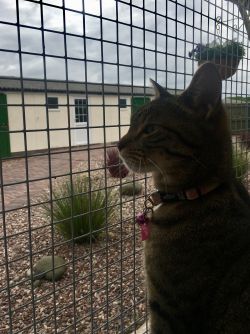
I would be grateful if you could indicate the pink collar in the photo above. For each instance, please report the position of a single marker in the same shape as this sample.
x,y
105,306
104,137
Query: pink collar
x,y
190,194
159,197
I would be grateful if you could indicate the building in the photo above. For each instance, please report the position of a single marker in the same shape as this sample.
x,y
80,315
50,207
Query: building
x,y
238,108
38,115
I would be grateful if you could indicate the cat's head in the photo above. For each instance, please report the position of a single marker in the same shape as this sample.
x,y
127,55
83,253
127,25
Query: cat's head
x,y
183,139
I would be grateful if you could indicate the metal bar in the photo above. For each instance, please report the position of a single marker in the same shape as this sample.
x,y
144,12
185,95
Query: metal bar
x,y
99,293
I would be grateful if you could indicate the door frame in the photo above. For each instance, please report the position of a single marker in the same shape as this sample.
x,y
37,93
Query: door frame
x,y
135,106
74,123
5,149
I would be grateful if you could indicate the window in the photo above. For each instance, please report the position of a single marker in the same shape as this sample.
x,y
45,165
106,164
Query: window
x,y
52,103
123,103
81,111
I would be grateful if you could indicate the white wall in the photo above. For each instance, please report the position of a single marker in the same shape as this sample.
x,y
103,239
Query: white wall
x,y
40,126
108,114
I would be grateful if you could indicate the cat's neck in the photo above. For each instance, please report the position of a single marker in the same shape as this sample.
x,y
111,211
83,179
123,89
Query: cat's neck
x,y
202,186
191,194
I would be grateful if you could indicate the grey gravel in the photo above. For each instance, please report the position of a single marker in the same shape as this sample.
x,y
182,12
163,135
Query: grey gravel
x,y
103,289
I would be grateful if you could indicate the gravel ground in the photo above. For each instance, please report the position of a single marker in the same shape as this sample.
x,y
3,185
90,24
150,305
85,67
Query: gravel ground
x,y
102,290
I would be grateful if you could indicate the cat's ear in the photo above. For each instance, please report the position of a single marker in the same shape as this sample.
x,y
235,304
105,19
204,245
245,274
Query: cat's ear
x,y
159,90
204,91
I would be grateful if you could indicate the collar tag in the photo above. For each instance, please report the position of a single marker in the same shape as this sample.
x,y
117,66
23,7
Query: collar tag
x,y
143,221
156,198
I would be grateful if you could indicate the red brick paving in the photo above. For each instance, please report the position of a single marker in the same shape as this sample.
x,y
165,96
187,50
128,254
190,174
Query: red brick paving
x,y
34,174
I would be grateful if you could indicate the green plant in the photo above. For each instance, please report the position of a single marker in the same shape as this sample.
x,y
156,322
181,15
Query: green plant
x,y
229,49
240,162
79,212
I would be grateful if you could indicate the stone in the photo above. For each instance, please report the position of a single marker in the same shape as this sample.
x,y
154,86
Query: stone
x,y
131,188
43,268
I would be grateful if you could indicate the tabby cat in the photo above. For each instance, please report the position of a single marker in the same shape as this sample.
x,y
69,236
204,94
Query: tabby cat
x,y
197,255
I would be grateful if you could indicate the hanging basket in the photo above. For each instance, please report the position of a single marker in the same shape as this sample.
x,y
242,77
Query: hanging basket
x,y
226,56
227,67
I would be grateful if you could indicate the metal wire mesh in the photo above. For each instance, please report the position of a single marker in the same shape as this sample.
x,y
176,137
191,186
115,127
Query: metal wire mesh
x,y
71,74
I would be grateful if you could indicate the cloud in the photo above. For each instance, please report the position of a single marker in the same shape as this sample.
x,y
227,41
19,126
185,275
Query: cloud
x,y
158,51
29,12
9,64
8,40
8,11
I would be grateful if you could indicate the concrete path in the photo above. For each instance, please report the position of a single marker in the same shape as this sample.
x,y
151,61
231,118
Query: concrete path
x,y
23,180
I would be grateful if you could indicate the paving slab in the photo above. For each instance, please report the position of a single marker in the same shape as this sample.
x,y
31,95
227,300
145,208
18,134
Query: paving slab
x,y
25,178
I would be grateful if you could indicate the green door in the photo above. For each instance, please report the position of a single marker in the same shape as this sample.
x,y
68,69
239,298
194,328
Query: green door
x,y
137,102
4,128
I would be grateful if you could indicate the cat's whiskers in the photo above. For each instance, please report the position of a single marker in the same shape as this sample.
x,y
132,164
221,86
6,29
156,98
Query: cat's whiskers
x,y
139,155
160,170
133,164
141,164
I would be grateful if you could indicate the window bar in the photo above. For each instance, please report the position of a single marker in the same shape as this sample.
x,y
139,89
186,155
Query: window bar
x,y
89,167
20,58
70,164
178,17
49,164
144,81
6,252
106,265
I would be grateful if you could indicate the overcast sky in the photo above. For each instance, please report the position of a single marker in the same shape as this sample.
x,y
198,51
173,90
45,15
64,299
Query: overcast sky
x,y
139,49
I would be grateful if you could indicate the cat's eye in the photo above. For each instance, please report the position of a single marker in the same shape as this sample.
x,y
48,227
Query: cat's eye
x,y
149,129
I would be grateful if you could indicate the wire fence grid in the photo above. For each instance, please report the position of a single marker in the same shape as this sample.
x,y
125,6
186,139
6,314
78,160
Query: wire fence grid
x,y
71,74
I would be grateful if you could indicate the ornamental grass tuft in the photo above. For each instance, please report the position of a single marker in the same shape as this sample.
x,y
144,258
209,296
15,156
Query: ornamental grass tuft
x,y
80,211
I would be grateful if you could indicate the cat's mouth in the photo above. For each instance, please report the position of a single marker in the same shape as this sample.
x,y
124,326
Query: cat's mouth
x,y
131,164
135,164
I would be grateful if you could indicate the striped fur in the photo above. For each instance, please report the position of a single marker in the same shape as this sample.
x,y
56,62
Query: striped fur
x,y
197,257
